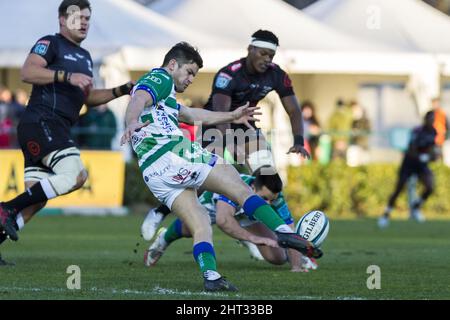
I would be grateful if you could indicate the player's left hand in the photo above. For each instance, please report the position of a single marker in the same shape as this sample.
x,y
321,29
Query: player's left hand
x,y
298,269
130,129
297,148
244,114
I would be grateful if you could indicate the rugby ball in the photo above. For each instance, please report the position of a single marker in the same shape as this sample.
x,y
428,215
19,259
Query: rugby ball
x,y
314,227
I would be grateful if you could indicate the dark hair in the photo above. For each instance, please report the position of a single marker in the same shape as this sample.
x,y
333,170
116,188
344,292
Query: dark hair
x,y
428,115
310,104
82,4
265,35
270,181
183,53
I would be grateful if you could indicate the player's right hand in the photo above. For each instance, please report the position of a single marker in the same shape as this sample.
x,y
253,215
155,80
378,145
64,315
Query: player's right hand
x,y
130,129
82,81
264,241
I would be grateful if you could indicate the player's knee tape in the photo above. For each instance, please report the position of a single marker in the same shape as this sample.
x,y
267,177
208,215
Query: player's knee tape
x,y
252,204
36,174
67,166
260,158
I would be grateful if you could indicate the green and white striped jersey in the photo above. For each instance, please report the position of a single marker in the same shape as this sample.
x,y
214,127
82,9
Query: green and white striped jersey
x,y
163,134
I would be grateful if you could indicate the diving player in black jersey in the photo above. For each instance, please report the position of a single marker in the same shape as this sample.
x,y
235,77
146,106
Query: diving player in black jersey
x,y
61,74
419,153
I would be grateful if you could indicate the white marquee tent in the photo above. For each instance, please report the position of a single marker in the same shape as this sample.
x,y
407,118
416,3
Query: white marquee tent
x,y
115,24
408,25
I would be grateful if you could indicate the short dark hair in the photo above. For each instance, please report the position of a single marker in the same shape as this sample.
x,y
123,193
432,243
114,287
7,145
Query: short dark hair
x,y
184,53
266,35
82,4
270,181
428,115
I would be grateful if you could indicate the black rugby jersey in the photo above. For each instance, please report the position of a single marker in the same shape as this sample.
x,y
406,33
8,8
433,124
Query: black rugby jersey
x,y
233,80
59,99
422,139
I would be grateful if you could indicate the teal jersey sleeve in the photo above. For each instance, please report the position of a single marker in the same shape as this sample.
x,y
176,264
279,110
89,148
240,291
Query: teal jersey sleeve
x,y
281,207
157,84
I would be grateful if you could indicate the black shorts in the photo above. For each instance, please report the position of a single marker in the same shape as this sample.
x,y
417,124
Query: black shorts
x,y
39,139
411,167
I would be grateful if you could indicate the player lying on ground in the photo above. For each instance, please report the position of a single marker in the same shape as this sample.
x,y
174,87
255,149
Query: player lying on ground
x,y
231,219
174,168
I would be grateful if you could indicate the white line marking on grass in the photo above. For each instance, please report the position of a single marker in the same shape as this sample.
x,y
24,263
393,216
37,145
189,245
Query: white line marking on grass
x,y
173,292
157,290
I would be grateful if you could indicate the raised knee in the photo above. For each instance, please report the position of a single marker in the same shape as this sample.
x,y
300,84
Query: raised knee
x,y
81,179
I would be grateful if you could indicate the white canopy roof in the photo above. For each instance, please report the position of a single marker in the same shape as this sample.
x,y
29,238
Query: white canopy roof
x,y
408,25
238,19
114,24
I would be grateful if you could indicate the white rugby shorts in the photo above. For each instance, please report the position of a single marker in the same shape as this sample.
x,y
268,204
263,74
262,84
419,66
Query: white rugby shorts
x,y
171,174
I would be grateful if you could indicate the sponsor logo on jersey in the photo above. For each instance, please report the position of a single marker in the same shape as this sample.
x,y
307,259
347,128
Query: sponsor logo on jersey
x,y
154,79
287,81
223,80
34,148
79,55
235,67
89,65
70,57
41,47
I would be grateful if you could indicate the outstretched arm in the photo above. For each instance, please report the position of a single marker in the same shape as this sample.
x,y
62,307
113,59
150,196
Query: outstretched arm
x,y
292,108
227,223
97,97
243,115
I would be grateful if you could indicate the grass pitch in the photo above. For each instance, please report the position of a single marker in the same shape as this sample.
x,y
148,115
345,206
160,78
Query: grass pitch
x,y
413,260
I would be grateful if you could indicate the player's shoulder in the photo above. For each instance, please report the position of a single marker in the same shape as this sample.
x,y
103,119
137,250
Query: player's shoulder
x,y
157,76
48,37
233,67
273,67
46,40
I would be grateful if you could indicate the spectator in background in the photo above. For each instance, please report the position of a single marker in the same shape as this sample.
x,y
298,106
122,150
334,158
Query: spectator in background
x,y
311,127
6,119
440,124
340,126
360,126
6,126
357,152
98,127
19,102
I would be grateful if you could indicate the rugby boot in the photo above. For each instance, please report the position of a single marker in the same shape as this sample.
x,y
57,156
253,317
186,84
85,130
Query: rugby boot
x,y
220,284
294,241
8,222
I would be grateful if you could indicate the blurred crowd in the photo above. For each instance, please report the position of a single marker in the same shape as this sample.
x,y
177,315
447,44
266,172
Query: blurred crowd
x,y
96,128
347,130
12,104
344,135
